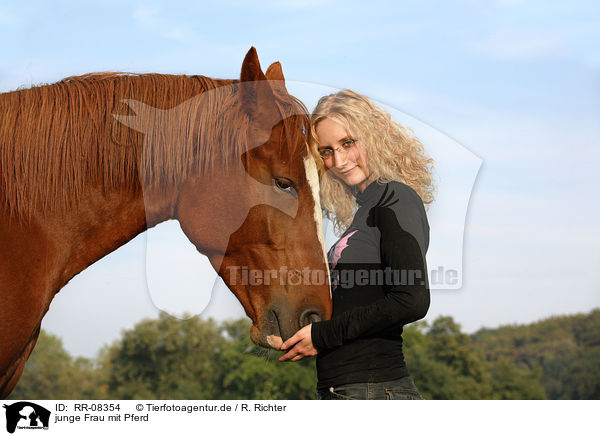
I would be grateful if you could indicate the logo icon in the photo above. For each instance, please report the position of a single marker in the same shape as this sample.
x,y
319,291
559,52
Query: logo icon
x,y
26,415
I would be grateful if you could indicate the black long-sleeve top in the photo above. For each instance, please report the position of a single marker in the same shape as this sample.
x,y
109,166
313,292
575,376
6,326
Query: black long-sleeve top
x,y
379,284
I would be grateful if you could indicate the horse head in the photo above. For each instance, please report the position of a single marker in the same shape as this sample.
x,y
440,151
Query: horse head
x,y
251,202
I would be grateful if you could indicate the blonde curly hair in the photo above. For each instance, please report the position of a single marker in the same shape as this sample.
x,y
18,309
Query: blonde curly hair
x,y
394,153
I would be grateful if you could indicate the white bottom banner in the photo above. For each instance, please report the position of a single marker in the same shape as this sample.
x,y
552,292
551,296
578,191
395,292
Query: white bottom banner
x,y
299,417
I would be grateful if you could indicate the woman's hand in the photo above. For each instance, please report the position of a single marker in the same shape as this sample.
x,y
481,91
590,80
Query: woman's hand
x,y
299,346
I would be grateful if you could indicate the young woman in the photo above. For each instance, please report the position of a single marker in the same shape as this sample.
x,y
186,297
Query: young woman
x,y
375,178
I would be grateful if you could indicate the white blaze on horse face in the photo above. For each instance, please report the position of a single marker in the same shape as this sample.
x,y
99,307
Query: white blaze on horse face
x,y
312,175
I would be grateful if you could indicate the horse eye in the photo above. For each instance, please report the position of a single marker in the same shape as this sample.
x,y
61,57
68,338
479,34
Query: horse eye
x,y
285,185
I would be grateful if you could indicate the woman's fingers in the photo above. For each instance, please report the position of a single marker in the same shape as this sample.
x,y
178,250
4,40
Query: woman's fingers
x,y
301,346
289,355
291,341
296,353
299,336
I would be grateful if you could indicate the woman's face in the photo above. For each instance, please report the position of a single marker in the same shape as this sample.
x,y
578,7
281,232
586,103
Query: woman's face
x,y
349,164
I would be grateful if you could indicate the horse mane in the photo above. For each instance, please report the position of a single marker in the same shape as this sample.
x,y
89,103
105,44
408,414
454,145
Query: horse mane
x,y
57,139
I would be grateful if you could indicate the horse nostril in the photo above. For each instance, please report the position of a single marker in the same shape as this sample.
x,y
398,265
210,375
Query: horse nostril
x,y
309,316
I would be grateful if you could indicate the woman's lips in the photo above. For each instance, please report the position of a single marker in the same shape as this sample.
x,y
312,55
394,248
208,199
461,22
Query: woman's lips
x,y
348,172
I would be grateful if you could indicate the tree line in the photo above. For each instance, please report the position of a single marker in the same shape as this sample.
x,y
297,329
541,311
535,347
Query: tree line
x,y
166,358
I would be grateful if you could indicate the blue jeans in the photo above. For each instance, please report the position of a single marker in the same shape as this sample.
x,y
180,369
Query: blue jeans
x,y
400,389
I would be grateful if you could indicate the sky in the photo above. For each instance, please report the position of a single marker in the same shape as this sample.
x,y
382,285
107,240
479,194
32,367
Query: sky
x,y
503,94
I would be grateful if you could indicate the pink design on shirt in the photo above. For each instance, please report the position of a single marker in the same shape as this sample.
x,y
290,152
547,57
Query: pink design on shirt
x,y
339,247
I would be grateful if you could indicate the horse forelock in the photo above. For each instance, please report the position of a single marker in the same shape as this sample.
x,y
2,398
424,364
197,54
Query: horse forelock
x,y
57,139
296,124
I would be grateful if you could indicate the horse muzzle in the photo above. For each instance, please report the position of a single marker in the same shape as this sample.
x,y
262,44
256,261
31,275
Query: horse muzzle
x,y
280,322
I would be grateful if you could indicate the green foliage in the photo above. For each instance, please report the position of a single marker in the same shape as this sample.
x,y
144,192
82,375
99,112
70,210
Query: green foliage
x,y
165,359
564,350
445,364
200,359
251,372
51,373
196,359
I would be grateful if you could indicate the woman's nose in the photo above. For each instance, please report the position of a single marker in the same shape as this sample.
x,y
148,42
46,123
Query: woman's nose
x,y
339,159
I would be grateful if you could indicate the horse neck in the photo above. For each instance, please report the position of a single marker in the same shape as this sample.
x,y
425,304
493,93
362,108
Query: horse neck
x,y
101,223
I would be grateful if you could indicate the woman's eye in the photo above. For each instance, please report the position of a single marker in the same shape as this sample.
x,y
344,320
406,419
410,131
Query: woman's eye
x,y
349,143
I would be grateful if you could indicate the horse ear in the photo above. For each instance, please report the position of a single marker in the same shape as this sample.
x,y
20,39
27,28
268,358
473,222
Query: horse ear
x,y
253,93
274,72
275,75
251,67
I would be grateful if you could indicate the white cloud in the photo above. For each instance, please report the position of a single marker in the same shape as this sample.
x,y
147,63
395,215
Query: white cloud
x,y
145,15
152,18
507,3
179,34
274,4
9,19
519,45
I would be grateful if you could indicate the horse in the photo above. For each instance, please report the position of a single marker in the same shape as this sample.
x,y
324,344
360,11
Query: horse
x,y
90,162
